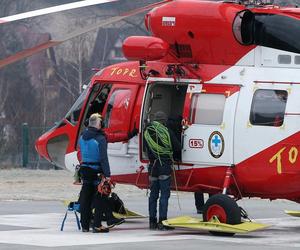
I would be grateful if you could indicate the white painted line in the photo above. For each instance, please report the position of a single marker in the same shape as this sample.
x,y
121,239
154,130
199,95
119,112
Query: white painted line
x,y
284,232
52,238
54,9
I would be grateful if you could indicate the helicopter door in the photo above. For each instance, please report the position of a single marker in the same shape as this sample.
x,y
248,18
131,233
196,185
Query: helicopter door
x,y
117,114
209,115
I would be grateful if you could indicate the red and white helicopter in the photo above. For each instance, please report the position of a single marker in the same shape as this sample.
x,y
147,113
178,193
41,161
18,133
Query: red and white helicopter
x,y
229,70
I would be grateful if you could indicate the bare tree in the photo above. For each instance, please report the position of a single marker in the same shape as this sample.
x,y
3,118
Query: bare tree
x,y
3,97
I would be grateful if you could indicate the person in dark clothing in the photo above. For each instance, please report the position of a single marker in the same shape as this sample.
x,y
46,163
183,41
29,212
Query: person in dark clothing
x,y
93,148
174,124
160,143
199,202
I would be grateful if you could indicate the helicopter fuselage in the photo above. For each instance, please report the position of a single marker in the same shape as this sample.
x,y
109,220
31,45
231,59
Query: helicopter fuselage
x,y
230,80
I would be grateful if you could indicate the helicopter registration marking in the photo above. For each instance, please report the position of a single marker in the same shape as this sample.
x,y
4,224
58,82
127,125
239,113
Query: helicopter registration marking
x,y
123,71
293,155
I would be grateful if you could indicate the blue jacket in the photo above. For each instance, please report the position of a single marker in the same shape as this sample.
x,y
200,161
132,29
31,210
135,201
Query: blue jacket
x,y
93,147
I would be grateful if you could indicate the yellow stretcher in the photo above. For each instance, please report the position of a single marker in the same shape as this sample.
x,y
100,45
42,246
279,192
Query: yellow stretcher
x,y
128,215
292,213
213,225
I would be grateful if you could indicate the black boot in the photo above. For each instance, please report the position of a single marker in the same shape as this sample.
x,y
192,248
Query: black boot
x,y
162,227
114,222
152,223
199,210
111,220
100,229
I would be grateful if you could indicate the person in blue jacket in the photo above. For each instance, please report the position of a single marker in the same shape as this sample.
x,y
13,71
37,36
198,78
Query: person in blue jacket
x,y
94,161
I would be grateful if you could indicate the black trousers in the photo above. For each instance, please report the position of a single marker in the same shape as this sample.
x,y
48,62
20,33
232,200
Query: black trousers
x,y
102,209
199,200
86,199
89,199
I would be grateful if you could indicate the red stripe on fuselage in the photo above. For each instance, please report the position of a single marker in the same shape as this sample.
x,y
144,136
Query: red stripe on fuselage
x,y
258,176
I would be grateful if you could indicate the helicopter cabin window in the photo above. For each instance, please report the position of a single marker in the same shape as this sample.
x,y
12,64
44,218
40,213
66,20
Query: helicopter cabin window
x,y
268,107
207,109
284,59
297,60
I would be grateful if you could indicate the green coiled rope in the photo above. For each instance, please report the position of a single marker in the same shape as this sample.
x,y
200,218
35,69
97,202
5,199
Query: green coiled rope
x,y
161,134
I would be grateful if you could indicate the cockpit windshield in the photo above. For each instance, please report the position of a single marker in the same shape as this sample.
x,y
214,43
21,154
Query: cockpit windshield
x,y
74,113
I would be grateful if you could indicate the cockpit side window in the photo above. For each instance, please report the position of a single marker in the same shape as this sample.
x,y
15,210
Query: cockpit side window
x,y
96,102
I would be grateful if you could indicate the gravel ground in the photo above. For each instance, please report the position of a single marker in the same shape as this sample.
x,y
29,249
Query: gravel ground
x,y
25,184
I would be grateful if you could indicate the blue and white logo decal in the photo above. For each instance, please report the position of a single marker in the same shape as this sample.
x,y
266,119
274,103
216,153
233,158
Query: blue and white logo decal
x,y
216,144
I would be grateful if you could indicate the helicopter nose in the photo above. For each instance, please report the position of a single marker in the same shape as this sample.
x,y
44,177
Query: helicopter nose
x,y
41,146
53,145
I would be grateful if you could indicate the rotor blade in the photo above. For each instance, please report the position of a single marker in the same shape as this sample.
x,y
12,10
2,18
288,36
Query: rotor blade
x,y
29,52
53,9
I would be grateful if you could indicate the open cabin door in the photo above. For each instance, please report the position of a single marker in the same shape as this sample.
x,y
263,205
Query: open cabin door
x,y
209,114
117,115
115,102
169,97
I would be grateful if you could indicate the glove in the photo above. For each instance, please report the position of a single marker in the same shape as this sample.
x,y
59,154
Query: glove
x,y
133,133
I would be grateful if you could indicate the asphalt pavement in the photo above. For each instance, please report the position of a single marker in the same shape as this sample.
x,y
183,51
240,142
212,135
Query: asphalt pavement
x,y
36,225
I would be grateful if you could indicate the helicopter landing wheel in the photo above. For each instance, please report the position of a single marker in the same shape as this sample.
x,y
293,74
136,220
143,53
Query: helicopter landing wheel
x,y
225,209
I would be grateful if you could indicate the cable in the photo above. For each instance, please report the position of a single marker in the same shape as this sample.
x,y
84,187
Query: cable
x,y
176,187
161,134
244,214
